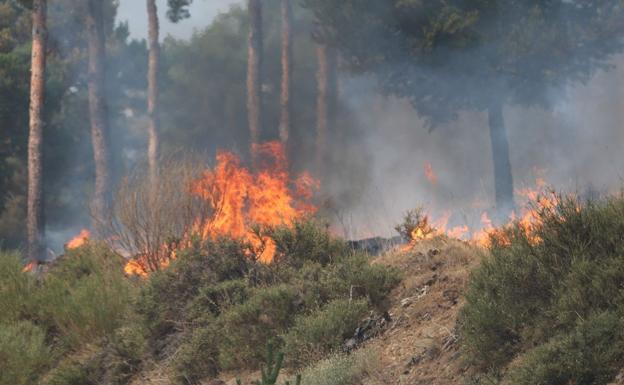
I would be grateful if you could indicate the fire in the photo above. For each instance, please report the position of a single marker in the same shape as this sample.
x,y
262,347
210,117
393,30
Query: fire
x,y
245,201
29,267
533,200
430,174
79,240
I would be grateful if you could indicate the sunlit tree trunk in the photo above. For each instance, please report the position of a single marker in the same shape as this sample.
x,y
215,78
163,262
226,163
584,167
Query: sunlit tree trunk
x,y
98,113
325,102
254,72
503,180
35,221
285,101
153,90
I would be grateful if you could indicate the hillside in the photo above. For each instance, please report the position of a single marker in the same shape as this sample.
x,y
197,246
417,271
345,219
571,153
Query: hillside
x,y
420,344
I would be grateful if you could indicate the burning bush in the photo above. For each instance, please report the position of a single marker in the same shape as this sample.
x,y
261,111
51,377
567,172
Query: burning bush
x,y
152,221
543,297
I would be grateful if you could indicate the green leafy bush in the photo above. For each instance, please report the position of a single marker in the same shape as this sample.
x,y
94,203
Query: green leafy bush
x,y
340,369
348,276
17,290
167,297
247,328
592,353
84,295
23,353
306,241
315,335
538,293
197,357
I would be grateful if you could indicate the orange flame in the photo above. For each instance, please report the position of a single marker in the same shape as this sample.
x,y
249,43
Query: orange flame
x,y
430,174
79,240
241,199
29,267
533,200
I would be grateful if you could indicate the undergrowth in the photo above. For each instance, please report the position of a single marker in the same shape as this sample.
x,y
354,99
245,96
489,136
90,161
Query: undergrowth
x,y
547,307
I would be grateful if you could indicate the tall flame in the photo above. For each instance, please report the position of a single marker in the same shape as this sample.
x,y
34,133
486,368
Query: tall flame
x,y
240,199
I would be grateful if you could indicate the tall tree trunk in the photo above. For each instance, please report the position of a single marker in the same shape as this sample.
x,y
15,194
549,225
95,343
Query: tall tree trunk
x,y
254,72
35,221
153,90
325,101
285,102
503,180
98,113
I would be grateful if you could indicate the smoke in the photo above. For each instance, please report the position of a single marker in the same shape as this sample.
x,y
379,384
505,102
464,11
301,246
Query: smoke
x,y
377,168
574,147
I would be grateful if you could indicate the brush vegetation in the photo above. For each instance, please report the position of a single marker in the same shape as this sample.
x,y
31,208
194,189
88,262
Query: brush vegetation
x,y
213,309
551,311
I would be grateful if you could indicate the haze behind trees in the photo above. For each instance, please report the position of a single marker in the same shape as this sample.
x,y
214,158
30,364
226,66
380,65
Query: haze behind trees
x,y
203,100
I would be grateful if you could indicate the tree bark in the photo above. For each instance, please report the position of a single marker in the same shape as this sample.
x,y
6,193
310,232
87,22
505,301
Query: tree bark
x,y
325,101
503,180
35,219
285,101
153,128
254,72
98,113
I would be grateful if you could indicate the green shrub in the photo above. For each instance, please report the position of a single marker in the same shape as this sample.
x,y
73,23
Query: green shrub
x,y
247,328
214,299
17,298
197,357
533,289
348,276
85,296
314,336
23,353
164,299
306,241
340,369
111,362
591,354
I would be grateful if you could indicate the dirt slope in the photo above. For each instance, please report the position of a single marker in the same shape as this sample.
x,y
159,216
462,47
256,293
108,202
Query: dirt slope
x,y
420,345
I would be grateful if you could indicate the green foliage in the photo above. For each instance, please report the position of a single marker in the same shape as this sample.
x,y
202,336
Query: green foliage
x,y
23,352
270,372
248,327
194,281
315,335
198,356
16,289
306,241
340,369
414,219
84,296
448,56
592,353
111,362
558,299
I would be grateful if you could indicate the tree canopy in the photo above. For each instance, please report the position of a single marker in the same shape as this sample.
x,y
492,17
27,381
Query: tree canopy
x,y
446,56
